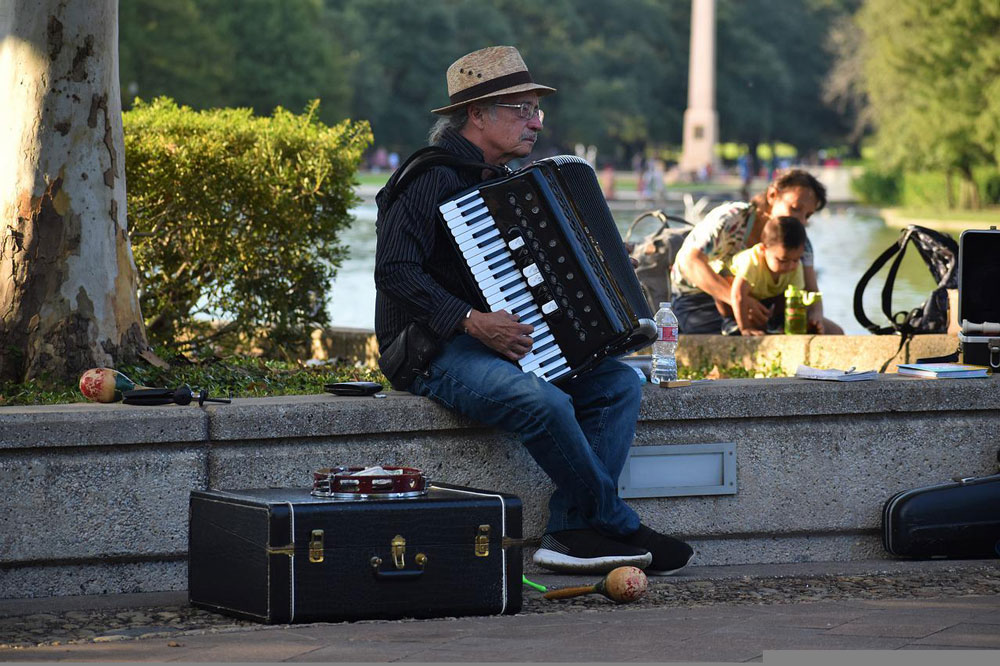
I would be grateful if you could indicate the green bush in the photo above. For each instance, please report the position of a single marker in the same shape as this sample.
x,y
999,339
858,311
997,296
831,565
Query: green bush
x,y
925,189
235,218
878,188
236,376
929,189
991,189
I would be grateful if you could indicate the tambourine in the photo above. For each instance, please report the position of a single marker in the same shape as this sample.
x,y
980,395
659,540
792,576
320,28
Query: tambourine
x,y
343,483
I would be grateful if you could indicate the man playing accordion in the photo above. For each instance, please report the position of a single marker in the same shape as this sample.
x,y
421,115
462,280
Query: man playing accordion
x,y
578,431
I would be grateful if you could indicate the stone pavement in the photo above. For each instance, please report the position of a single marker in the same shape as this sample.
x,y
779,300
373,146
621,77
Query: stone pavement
x,y
714,614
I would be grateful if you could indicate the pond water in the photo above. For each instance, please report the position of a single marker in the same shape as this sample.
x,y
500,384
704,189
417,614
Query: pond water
x,y
846,241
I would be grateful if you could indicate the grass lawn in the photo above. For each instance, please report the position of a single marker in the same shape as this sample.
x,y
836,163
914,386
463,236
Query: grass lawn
x,y
238,376
372,178
986,215
943,219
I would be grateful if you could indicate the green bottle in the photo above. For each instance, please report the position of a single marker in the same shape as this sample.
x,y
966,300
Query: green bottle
x,y
797,302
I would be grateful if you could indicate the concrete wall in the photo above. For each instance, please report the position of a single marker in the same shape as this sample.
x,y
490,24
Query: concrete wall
x,y
95,496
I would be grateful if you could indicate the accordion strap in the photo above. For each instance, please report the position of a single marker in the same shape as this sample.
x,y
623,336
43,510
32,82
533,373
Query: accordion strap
x,y
428,158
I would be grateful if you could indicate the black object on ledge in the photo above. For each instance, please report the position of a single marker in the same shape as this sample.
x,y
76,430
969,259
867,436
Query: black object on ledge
x,y
182,395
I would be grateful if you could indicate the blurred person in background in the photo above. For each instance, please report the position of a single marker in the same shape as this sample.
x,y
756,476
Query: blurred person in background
x,y
698,274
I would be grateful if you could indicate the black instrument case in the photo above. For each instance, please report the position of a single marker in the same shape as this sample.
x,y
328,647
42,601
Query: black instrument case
x,y
282,555
979,297
956,519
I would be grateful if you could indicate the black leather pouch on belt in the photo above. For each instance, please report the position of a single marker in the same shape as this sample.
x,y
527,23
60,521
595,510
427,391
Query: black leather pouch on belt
x,y
409,355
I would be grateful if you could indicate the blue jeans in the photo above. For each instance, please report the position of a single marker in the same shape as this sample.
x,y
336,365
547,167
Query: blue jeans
x,y
696,313
579,433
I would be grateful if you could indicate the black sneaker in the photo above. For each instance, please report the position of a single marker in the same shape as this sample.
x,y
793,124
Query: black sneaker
x,y
586,551
670,555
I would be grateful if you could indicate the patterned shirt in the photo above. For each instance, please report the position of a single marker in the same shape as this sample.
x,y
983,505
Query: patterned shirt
x,y
722,234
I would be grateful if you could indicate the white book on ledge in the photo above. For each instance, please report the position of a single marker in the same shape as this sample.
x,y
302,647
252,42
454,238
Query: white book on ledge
x,y
834,375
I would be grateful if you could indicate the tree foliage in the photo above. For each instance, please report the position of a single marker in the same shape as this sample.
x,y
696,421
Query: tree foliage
x,y
235,216
932,75
772,61
620,67
206,54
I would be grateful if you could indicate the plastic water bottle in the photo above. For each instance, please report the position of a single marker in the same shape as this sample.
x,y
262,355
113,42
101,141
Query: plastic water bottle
x,y
664,364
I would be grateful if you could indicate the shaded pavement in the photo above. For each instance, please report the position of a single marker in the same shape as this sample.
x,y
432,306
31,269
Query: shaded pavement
x,y
716,614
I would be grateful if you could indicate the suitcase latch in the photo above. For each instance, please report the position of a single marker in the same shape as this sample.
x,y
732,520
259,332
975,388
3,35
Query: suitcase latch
x,y
316,546
483,541
398,551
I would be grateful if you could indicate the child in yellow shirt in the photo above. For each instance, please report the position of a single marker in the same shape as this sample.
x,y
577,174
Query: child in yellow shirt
x,y
764,271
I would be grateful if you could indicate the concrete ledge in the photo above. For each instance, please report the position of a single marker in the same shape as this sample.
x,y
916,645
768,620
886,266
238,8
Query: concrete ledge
x,y
784,353
107,512
87,425
765,353
357,344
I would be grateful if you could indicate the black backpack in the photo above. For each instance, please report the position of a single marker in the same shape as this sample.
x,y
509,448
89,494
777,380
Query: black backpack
x,y
940,252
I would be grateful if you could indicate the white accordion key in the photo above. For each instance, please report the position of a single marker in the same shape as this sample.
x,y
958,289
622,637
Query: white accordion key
x,y
470,231
504,305
490,267
480,240
475,252
492,276
452,208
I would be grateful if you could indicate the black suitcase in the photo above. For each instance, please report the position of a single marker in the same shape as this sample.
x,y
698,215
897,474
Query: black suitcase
x,y
978,297
281,555
957,519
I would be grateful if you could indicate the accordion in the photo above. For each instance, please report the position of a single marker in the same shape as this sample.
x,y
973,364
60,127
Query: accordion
x,y
541,243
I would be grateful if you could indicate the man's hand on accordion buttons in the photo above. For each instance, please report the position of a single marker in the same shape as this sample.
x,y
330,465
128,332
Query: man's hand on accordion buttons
x,y
501,332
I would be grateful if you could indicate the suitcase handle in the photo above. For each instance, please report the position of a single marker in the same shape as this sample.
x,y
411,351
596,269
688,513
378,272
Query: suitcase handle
x,y
412,574
398,574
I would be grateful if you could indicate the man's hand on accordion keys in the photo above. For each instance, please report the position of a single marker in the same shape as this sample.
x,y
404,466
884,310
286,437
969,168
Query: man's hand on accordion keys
x,y
501,332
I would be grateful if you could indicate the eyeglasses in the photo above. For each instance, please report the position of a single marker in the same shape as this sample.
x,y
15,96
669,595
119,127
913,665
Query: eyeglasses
x,y
525,110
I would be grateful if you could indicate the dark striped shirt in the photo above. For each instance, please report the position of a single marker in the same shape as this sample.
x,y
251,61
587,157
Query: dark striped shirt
x,y
418,273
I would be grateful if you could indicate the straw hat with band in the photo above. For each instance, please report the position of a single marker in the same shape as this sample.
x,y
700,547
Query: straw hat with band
x,y
489,72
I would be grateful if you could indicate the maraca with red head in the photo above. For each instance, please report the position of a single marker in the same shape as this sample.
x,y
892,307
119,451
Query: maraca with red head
x,y
105,385
621,585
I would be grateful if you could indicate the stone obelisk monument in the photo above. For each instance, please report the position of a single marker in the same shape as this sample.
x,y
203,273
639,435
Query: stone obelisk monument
x,y
701,122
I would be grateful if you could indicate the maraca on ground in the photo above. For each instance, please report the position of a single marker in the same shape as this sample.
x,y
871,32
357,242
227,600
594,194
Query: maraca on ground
x,y
621,585
105,385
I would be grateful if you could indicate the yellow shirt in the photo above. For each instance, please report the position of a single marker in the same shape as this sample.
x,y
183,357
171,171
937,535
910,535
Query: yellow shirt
x,y
750,264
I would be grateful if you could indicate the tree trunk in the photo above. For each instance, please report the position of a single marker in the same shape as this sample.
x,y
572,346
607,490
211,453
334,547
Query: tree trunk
x,y
68,284
969,189
755,166
949,191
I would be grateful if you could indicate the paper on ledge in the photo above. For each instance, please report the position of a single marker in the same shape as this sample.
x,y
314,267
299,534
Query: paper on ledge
x,y
849,375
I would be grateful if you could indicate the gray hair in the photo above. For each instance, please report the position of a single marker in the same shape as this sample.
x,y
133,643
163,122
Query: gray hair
x,y
456,120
